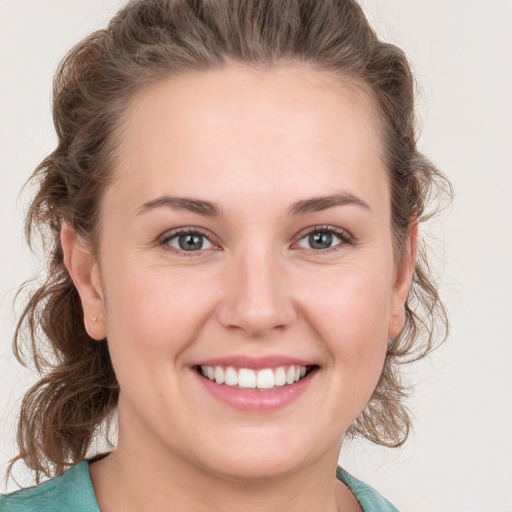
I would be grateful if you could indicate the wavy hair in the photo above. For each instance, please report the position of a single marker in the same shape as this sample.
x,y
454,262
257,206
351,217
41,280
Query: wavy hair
x,y
150,40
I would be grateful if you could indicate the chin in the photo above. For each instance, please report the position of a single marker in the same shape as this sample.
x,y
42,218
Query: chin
x,y
256,469
272,457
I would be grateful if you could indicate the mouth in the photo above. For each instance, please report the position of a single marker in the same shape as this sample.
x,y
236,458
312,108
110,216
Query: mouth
x,y
263,379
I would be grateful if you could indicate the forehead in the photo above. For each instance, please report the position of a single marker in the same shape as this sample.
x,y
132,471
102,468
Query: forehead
x,y
286,126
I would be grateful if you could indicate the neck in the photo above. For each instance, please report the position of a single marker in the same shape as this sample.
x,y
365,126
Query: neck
x,y
127,480
144,473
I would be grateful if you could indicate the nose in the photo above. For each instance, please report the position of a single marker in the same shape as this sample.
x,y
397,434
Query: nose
x,y
257,296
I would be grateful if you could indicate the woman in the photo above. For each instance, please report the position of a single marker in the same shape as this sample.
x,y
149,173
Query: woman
x,y
234,205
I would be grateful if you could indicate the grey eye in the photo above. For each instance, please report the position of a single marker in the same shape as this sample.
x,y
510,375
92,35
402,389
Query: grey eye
x,y
189,242
319,240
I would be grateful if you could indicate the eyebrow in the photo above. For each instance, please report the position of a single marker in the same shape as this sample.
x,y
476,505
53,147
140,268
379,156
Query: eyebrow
x,y
199,206
210,209
317,204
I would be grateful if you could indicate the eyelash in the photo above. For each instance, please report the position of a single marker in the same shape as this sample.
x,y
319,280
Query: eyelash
x,y
345,239
165,239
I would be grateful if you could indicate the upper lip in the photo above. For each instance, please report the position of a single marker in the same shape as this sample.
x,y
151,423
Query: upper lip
x,y
239,361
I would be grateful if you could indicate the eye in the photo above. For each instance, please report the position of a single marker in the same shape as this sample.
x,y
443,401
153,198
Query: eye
x,y
188,241
324,238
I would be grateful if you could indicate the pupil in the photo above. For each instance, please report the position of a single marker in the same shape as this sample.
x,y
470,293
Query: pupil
x,y
191,242
320,240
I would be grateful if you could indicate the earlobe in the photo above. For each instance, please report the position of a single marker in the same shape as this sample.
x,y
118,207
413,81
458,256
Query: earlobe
x,y
403,279
84,271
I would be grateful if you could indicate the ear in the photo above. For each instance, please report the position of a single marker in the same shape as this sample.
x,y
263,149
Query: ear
x,y
402,284
84,272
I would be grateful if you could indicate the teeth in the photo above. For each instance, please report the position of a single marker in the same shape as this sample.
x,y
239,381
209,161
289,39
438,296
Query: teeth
x,y
231,376
266,378
246,378
280,377
219,375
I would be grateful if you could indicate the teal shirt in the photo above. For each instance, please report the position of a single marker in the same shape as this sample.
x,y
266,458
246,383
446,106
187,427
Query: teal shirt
x,y
73,492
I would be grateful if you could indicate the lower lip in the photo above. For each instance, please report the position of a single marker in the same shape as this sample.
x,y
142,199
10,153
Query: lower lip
x,y
254,399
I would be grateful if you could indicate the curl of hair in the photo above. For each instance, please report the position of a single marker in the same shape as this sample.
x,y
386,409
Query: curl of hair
x,y
150,40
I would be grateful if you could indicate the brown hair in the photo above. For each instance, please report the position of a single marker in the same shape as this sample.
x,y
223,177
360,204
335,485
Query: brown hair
x,y
149,40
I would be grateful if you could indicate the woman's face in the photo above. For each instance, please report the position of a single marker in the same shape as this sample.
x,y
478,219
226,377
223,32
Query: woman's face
x,y
246,237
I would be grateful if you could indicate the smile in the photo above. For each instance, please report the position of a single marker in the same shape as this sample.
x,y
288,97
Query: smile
x,y
246,378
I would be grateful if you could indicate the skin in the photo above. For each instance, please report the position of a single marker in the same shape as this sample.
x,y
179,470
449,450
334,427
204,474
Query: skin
x,y
254,142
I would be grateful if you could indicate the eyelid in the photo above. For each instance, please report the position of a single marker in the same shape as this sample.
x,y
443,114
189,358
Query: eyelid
x,y
163,239
345,236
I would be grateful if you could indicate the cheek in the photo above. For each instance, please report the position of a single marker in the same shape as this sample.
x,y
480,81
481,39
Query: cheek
x,y
152,315
351,314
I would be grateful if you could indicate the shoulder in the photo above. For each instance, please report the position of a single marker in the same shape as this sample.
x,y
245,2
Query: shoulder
x,y
369,499
70,492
